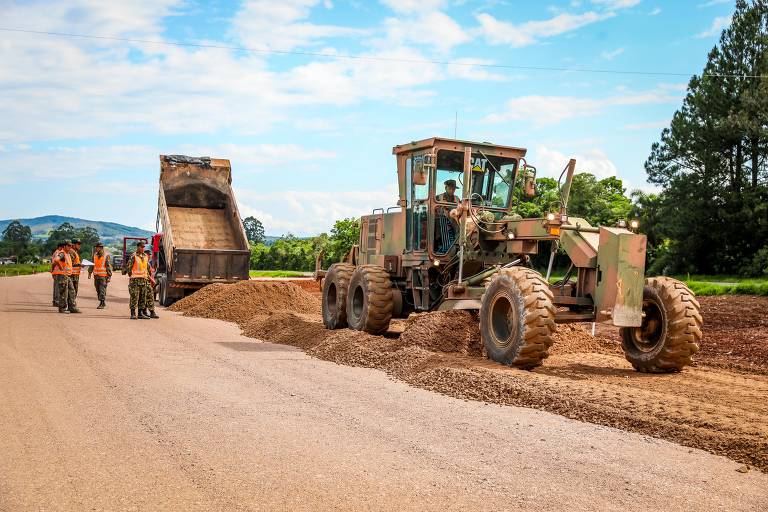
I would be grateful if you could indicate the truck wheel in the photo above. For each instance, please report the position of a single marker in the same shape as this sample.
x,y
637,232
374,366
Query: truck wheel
x,y
671,329
335,285
517,318
369,301
162,284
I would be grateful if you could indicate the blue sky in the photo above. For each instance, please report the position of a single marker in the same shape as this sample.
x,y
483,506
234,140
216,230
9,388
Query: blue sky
x,y
309,136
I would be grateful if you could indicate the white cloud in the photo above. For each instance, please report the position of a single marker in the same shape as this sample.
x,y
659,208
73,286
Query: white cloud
x,y
714,2
264,24
410,6
655,11
310,212
718,24
431,28
610,55
501,32
616,4
551,163
550,110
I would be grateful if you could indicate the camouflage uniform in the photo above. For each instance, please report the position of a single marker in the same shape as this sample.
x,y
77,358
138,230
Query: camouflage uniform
x,y
149,296
139,289
66,292
75,276
100,282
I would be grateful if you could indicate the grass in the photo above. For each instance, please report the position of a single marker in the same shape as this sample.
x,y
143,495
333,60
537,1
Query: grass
x,y
718,285
22,269
279,273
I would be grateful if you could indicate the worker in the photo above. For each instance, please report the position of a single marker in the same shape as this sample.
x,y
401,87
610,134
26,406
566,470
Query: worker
x,y
102,272
149,294
59,247
74,253
449,196
62,268
137,268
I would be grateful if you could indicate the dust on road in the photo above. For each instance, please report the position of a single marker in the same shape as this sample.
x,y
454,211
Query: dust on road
x,y
710,406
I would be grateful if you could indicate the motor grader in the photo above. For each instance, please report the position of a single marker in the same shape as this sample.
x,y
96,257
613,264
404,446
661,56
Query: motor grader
x,y
454,242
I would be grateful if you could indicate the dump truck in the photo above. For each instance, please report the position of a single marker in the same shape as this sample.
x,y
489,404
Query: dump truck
x,y
201,239
454,241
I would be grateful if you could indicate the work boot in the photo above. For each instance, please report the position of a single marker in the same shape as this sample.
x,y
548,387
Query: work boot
x,y
142,316
101,305
133,314
64,311
74,310
55,304
152,314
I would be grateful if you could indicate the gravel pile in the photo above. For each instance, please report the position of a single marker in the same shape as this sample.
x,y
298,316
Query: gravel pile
x,y
444,331
240,302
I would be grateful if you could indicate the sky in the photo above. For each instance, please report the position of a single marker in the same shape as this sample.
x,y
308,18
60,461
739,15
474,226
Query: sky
x,y
309,131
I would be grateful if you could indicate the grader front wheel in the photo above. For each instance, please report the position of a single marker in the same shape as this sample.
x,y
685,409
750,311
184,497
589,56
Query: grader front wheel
x,y
335,287
671,329
369,300
517,318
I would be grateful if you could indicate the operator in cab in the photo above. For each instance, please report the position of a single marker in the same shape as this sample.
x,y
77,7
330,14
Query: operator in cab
x,y
449,196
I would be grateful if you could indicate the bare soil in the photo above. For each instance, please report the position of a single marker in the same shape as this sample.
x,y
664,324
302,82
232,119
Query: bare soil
x,y
719,405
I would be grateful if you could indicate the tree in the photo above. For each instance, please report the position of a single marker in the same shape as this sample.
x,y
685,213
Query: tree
x,y
344,234
254,230
65,231
17,233
711,161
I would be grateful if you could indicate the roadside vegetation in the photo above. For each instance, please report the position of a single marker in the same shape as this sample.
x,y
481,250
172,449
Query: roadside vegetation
x,y
278,273
22,269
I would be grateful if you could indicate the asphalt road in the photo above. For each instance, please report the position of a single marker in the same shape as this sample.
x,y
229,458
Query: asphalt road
x,y
98,412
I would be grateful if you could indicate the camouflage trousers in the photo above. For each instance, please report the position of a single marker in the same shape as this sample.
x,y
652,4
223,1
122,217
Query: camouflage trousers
x,y
141,293
100,283
55,291
66,292
75,283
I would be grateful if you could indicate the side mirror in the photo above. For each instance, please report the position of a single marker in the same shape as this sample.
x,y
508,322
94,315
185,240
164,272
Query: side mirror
x,y
529,186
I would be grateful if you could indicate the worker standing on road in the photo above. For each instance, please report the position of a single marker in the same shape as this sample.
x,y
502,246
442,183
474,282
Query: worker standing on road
x,y
149,293
59,248
62,269
102,272
137,268
74,253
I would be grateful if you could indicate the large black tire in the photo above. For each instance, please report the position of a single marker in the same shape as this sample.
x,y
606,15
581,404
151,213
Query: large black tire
x,y
335,286
165,298
517,318
369,301
671,329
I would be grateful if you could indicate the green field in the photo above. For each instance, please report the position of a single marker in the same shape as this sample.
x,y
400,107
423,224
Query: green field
x,y
718,285
279,273
22,269
725,285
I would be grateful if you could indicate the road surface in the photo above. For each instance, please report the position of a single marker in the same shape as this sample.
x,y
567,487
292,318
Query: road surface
x,y
98,412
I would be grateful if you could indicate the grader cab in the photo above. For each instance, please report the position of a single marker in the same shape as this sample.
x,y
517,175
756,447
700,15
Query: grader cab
x,y
454,242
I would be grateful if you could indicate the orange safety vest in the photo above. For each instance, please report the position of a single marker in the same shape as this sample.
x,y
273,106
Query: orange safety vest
x,y
62,268
100,265
139,267
76,270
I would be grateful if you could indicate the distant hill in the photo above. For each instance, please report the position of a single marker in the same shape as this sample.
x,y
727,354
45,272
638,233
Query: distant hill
x,y
108,231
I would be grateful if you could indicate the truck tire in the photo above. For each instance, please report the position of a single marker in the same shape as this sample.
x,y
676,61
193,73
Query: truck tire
x,y
335,285
517,318
369,300
671,329
162,284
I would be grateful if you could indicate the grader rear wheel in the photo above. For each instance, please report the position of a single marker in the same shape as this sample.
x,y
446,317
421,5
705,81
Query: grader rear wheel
x,y
335,287
671,329
517,318
370,301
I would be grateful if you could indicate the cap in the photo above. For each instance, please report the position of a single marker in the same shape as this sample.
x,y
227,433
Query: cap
x,y
450,183
60,244
98,244
67,242
76,241
140,243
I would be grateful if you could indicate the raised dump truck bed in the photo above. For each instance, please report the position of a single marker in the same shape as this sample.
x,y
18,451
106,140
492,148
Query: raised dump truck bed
x,y
202,240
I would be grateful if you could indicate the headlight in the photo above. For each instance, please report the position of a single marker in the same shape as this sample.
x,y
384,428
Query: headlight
x,y
622,224
511,236
550,217
436,263
634,224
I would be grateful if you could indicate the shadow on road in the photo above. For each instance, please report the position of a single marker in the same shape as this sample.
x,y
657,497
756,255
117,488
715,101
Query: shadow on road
x,y
256,346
